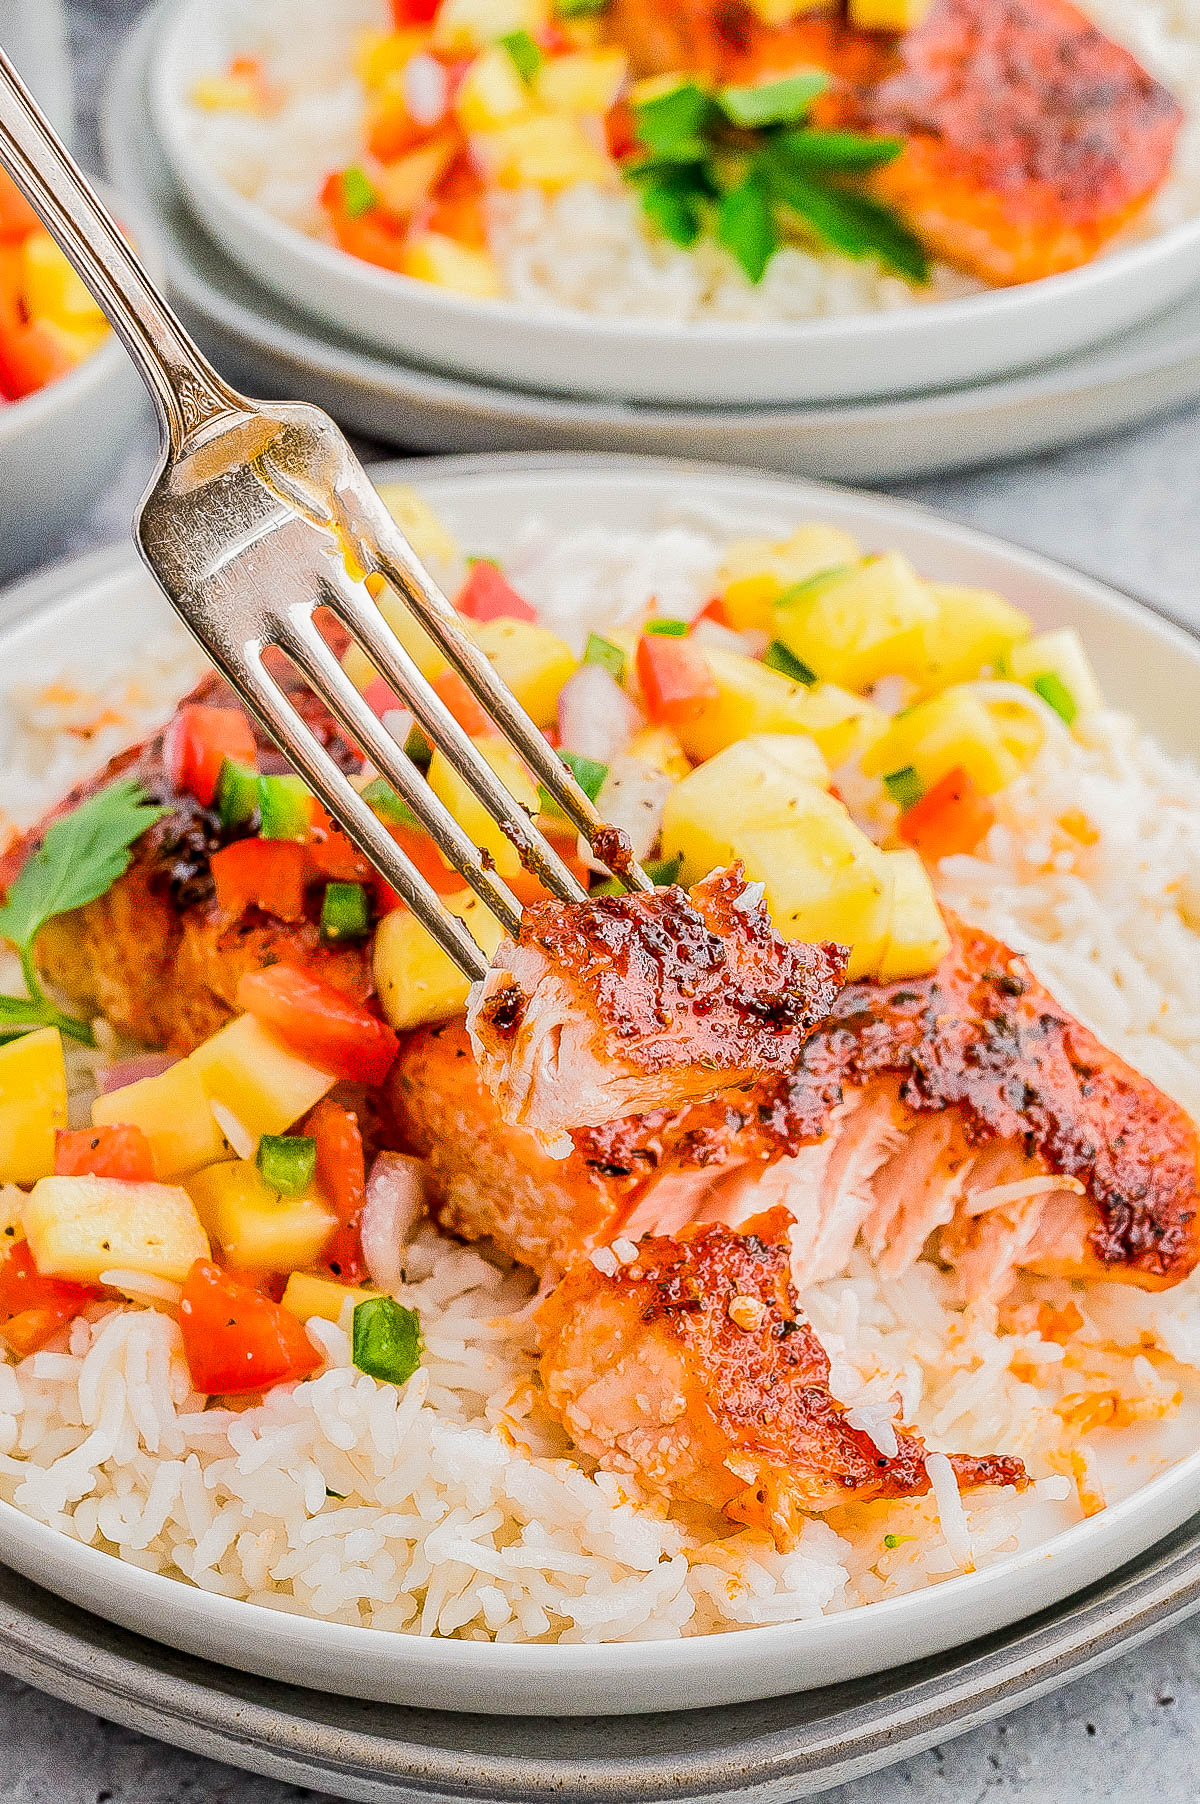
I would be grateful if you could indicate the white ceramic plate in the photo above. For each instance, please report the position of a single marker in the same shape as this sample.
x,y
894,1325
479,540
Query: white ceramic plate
x,y
1146,664
559,352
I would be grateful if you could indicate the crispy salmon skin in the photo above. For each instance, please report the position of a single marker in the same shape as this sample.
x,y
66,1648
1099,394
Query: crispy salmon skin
x,y
611,1007
691,1366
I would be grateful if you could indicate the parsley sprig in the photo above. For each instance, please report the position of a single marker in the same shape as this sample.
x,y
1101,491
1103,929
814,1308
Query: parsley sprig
x,y
80,858
742,162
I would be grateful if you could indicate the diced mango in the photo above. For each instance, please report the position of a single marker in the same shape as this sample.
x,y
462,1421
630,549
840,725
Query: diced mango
x,y
755,572
432,257
259,1230
758,781
418,982
255,1077
406,183
917,940
754,699
471,814
974,630
174,1112
953,730
380,54
51,288
80,1227
888,15
466,25
306,1295
1057,666
33,1104
549,151
859,625
531,660
492,92
660,749
583,81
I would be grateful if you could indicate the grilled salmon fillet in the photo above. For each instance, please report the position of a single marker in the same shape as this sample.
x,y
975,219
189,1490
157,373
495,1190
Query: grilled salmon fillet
x,y
603,1009
154,955
967,1103
1031,139
692,1367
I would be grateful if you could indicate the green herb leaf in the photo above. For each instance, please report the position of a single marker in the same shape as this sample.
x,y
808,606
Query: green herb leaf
x,y
608,656
80,858
524,53
18,1014
287,1162
773,102
1054,691
778,657
746,225
386,1340
358,192
836,150
675,209
904,787
671,125
666,628
662,871
851,222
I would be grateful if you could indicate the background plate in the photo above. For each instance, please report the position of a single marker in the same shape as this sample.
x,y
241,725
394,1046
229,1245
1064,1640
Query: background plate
x,y
269,349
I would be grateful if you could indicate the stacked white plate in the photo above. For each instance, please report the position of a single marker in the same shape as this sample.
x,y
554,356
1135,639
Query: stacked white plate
x,y
433,371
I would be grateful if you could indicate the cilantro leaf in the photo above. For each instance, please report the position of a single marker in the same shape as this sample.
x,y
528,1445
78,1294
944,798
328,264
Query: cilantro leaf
x,y
836,150
80,858
853,223
773,102
670,125
746,227
673,196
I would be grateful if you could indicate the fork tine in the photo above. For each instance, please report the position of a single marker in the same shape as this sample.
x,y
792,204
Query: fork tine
x,y
254,683
366,623
394,561
302,642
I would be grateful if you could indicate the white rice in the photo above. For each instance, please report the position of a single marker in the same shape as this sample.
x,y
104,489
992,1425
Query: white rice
x,y
589,248
450,1505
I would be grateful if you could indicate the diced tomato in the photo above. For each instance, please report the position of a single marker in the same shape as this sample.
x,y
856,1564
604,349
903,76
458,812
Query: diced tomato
x,y
332,854
31,357
17,217
197,743
271,874
392,131
33,1308
620,129
414,12
714,610
674,677
104,1152
487,596
364,235
553,41
320,1022
462,704
381,698
952,817
433,867
460,217
235,1339
342,1180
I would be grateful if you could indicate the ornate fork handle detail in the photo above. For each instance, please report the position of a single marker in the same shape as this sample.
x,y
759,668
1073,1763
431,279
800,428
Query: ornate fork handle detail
x,y
187,391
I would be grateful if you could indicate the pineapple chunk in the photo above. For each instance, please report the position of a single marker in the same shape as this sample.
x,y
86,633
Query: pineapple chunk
x,y
531,660
584,81
471,814
754,699
917,940
415,640
888,15
952,730
491,93
432,257
755,572
466,25
759,781
974,629
52,290
660,749
255,1077
1059,669
856,626
258,1229
549,151
418,982
33,1104
381,54
306,1295
80,1227
174,1113
429,537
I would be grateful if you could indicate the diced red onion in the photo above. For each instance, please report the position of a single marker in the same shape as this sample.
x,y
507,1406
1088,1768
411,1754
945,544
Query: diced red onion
x,y
723,638
426,89
633,797
394,1202
596,718
131,1071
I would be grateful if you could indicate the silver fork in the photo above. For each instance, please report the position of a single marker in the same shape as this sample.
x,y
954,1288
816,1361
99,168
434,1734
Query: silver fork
x,y
247,525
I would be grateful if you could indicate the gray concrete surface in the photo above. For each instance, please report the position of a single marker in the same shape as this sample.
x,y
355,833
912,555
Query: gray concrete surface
x,y
1129,510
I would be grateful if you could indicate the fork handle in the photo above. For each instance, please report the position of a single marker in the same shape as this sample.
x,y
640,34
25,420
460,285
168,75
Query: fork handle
x,y
185,388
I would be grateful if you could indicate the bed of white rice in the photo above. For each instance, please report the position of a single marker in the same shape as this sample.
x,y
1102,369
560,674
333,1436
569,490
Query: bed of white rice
x,y
451,1506
588,248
